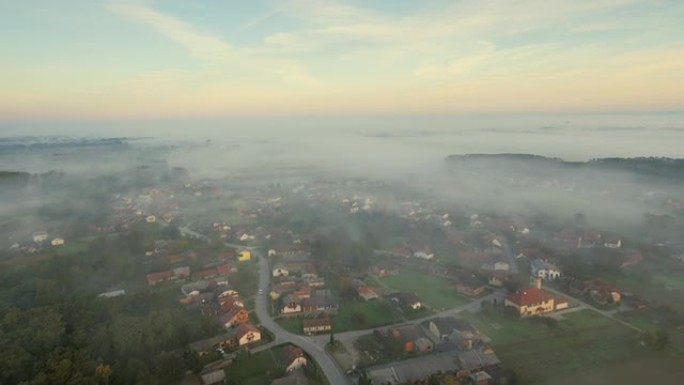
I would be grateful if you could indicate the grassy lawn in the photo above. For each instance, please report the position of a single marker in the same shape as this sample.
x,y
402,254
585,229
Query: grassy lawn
x,y
254,369
354,315
435,292
292,325
263,367
539,353
411,314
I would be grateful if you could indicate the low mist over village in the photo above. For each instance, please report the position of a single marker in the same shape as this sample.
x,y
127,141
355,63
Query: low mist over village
x,y
341,192
484,269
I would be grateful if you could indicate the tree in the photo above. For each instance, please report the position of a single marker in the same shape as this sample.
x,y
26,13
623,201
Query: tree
x,y
332,339
655,339
358,318
364,380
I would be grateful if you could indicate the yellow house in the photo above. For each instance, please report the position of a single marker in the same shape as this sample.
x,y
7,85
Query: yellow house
x,y
533,301
244,255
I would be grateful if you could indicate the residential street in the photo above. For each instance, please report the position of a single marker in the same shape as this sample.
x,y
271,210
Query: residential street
x,y
333,372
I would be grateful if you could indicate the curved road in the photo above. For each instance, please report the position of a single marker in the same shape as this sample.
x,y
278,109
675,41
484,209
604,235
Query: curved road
x,y
332,371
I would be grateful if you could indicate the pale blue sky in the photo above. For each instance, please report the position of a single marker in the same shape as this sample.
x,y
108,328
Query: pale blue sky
x,y
97,59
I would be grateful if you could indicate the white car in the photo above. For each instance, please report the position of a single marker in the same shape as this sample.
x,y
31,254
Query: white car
x,y
261,291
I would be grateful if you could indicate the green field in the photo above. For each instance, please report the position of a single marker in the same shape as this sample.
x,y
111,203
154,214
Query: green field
x,y
375,313
263,367
256,369
292,325
435,292
540,353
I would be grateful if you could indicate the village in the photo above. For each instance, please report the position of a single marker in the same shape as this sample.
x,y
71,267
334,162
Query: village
x,y
417,292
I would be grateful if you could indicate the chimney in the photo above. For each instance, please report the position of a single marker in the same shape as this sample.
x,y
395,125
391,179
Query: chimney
x,y
538,283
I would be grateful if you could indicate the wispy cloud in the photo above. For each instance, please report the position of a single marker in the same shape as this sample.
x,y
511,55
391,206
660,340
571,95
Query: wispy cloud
x,y
199,44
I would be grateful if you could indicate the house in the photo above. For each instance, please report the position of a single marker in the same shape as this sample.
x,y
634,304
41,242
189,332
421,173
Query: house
x,y
225,269
366,292
424,254
534,301
57,241
407,300
112,294
480,378
246,237
544,270
210,345
384,269
455,330
293,358
498,278
316,325
227,255
320,303
289,304
501,266
40,236
244,255
411,339
613,243
470,285
235,317
589,239
228,304
214,377
205,274
159,277
247,334
423,345
421,368
280,271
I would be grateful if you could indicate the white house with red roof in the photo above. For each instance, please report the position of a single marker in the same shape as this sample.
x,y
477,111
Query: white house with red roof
x,y
531,301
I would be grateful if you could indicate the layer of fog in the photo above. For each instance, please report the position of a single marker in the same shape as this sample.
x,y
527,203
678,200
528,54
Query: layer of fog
x,y
409,152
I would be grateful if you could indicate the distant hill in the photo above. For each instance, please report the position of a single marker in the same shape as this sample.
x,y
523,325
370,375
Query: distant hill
x,y
645,166
24,143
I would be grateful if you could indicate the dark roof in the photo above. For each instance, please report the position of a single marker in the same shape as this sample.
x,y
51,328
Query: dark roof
x,y
209,343
446,325
291,353
243,329
409,333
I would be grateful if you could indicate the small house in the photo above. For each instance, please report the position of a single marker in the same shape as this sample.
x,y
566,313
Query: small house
x,y
316,325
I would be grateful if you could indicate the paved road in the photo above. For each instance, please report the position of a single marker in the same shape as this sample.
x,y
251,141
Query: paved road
x,y
334,374
509,254
185,231
354,334
604,313
315,346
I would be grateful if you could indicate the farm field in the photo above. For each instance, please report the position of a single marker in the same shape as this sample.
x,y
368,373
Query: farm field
x,y
435,292
544,352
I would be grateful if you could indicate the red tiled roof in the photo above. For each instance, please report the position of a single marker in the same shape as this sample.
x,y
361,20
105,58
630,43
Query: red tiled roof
x,y
243,329
307,323
160,276
530,296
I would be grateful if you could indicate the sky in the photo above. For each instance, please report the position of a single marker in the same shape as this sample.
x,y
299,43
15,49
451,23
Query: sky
x,y
186,59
